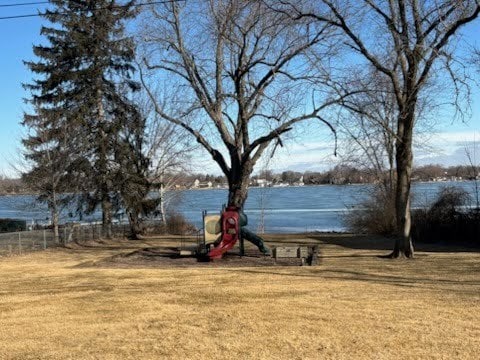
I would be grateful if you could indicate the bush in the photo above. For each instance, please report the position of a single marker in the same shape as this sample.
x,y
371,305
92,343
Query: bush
x,y
12,225
178,225
445,221
377,214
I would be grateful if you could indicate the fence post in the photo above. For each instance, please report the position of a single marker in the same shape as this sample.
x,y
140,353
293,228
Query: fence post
x,y
19,242
44,240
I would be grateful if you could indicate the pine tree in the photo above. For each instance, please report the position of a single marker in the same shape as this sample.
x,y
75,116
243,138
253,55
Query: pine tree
x,y
47,149
84,78
132,173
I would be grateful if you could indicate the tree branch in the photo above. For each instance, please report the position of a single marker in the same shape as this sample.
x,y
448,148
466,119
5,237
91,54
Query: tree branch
x,y
216,155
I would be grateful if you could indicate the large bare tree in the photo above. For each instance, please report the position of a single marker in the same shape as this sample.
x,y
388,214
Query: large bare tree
x,y
242,75
411,42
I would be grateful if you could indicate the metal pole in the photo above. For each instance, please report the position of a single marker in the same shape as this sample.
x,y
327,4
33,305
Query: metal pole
x,y
44,240
242,246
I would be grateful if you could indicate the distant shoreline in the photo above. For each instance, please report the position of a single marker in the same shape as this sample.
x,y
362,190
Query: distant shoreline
x,y
271,187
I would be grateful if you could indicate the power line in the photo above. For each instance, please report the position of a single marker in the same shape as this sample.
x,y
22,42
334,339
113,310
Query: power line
x,y
64,13
24,4
18,16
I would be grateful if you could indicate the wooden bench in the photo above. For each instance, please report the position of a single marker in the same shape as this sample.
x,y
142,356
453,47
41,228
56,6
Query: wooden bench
x,y
307,254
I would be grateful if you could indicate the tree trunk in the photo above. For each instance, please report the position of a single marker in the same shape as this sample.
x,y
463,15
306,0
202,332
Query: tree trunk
x,y
102,161
238,184
237,193
161,204
107,217
404,160
403,242
54,214
135,225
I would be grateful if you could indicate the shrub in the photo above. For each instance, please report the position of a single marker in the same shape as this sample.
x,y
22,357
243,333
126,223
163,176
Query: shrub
x,y
12,225
178,225
377,214
446,220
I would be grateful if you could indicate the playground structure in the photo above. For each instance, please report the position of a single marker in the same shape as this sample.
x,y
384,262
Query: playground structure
x,y
229,234
221,232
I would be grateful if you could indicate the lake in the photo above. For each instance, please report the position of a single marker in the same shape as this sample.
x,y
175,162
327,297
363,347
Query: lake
x,y
280,209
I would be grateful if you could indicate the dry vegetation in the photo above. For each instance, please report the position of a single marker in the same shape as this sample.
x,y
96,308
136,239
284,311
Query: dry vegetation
x,y
76,303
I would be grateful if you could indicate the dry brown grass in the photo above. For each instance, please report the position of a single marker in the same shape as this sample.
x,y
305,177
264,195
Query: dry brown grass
x,y
60,304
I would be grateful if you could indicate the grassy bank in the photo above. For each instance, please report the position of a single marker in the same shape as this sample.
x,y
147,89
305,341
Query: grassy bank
x,y
72,304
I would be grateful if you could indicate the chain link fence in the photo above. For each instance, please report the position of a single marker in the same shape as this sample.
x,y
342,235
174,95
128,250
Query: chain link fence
x,y
14,243
26,241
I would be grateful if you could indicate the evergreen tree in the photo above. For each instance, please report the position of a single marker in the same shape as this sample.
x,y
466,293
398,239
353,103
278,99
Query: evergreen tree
x,y
132,173
84,77
47,150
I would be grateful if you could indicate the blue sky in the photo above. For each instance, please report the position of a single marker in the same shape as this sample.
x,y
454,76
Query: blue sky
x,y
445,146
17,38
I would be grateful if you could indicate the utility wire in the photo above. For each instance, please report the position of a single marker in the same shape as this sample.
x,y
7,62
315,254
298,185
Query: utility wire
x,y
65,13
18,16
24,4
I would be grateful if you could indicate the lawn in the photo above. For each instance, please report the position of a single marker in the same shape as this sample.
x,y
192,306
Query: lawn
x,y
77,304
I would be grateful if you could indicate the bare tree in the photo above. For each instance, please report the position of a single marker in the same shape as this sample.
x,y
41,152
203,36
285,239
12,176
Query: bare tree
x,y
476,58
367,130
243,74
471,154
370,136
411,43
170,152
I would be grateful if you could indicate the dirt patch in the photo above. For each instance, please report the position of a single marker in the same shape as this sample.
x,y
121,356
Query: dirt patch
x,y
168,257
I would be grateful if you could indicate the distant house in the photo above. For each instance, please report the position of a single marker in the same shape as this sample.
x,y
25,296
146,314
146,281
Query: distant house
x,y
299,182
197,184
262,182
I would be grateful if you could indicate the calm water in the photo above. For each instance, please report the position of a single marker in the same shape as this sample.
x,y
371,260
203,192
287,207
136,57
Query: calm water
x,y
289,209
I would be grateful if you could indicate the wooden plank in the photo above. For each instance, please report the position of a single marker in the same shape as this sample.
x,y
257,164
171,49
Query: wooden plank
x,y
303,252
186,253
286,252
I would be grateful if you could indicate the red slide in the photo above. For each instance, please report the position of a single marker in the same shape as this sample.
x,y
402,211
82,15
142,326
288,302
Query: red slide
x,y
230,233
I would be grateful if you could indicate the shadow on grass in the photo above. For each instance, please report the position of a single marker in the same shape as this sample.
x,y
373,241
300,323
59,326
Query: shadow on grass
x,y
467,287
429,247
374,242
357,242
108,245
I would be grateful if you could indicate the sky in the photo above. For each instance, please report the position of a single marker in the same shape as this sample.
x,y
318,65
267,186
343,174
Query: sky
x,y
446,142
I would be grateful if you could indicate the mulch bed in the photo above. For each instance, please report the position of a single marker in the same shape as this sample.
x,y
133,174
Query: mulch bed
x,y
167,257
